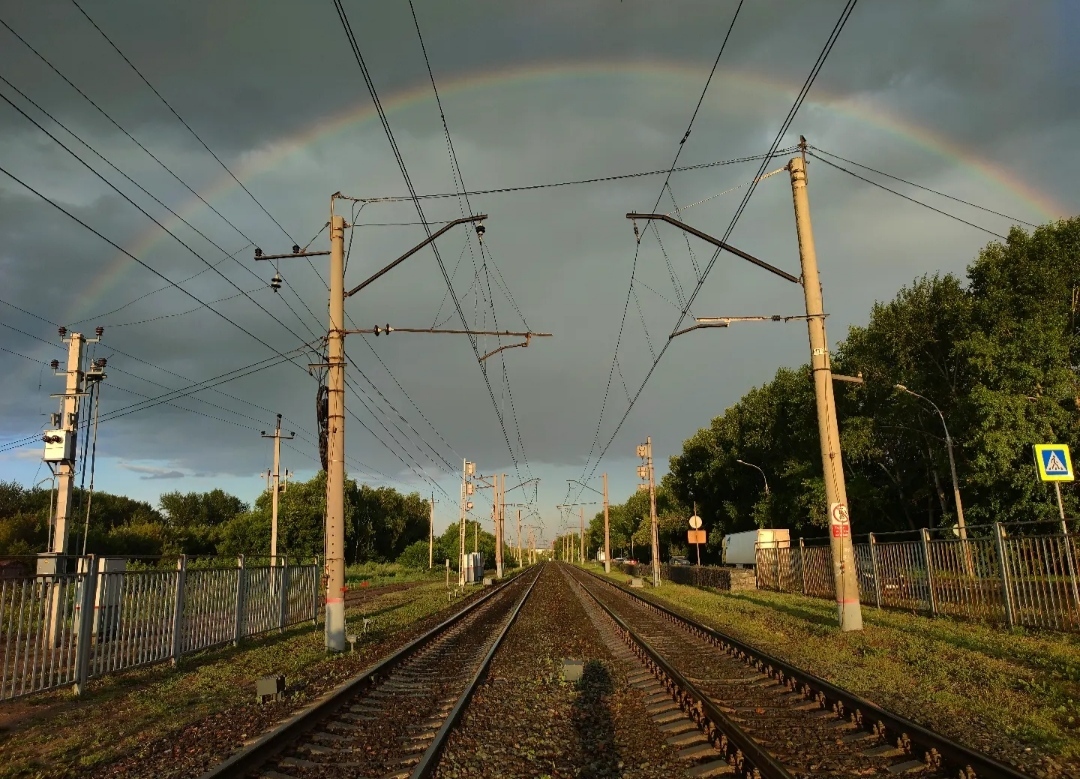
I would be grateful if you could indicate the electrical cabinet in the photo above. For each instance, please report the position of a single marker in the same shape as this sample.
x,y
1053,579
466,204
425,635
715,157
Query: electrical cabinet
x,y
59,446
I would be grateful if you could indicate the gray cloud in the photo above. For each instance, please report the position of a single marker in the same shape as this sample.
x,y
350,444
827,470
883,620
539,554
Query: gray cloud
x,y
938,97
150,473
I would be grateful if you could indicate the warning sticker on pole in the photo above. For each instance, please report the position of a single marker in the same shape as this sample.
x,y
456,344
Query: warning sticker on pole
x,y
839,527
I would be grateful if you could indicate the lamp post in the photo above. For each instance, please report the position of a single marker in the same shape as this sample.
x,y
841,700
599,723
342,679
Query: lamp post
x,y
751,465
952,461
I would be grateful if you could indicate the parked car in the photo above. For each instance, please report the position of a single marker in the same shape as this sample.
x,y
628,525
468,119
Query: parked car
x,y
679,561
630,561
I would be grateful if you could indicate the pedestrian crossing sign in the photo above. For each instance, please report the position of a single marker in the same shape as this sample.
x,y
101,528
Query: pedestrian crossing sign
x,y
1054,462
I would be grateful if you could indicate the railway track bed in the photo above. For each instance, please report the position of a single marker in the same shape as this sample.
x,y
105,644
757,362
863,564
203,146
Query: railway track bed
x,y
764,717
391,720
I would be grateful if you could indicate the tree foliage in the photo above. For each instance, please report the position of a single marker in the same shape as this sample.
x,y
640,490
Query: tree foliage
x,y
998,355
379,524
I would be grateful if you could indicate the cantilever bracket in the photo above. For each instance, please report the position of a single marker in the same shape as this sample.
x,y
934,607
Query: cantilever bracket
x,y
528,337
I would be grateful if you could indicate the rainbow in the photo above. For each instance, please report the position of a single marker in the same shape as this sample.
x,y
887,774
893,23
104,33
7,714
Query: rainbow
x,y
351,119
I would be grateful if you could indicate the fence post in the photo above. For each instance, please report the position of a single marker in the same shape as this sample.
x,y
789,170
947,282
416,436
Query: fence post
x,y
178,610
284,594
802,565
1069,561
241,598
874,570
86,624
1006,590
925,534
779,583
315,594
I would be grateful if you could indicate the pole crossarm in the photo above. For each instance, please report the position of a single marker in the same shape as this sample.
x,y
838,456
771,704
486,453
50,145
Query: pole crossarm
x,y
528,335
704,322
415,249
718,243
528,481
586,486
260,256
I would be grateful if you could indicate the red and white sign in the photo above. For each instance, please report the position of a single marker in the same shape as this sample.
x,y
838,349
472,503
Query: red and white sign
x,y
839,527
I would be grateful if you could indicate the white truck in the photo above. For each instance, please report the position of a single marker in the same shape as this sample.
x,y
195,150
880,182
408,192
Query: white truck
x,y
740,549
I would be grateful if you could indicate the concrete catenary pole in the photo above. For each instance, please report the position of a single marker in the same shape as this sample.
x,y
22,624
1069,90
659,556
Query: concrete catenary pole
x,y
69,423
500,494
335,475
519,539
607,532
275,488
431,534
581,537
843,554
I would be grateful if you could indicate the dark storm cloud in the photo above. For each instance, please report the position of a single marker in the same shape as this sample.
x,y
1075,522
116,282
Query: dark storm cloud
x,y
986,75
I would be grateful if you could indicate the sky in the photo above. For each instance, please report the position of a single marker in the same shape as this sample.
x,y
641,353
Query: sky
x,y
272,116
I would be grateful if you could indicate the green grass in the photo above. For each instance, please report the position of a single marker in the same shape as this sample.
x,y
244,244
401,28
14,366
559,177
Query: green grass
x,y
122,713
1014,693
376,574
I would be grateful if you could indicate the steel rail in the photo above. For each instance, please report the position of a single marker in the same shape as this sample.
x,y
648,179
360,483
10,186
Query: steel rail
x,y
938,752
745,755
279,738
430,760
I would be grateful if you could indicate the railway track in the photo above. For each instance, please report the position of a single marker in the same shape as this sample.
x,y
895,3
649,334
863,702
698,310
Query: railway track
x,y
763,717
392,720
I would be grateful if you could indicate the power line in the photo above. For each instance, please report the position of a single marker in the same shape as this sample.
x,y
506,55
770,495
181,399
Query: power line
x,y
819,150
167,398
459,178
551,185
116,124
906,197
841,22
149,216
637,248
347,27
182,121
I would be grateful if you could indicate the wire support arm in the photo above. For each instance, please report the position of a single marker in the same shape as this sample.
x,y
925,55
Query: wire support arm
x,y
418,247
717,243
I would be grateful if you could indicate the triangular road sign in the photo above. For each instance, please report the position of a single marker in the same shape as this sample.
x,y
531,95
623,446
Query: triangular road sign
x,y
1054,465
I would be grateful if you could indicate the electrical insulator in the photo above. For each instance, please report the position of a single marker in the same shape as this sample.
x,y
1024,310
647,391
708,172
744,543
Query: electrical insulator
x,y
54,364
295,249
480,230
276,282
258,252
63,331
99,330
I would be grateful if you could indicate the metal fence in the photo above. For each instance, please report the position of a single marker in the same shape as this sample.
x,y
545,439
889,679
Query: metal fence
x,y
1013,574
66,628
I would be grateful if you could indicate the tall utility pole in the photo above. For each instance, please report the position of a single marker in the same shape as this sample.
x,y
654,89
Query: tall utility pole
x,y
607,532
582,536
843,553
276,488
467,469
334,574
645,471
335,456
431,534
61,443
519,539
500,485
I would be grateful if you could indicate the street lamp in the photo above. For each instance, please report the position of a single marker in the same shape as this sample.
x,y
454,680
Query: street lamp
x,y
751,465
952,460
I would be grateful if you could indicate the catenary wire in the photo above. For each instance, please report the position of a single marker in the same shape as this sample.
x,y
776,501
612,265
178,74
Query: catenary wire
x,y
845,14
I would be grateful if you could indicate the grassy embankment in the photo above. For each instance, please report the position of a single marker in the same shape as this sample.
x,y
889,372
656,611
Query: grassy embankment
x,y
1014,694
121,715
